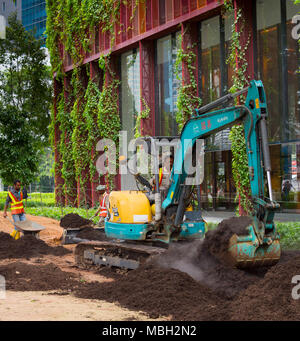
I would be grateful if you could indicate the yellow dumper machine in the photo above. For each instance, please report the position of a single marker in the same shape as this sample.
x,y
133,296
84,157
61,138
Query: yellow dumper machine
x,y
135,231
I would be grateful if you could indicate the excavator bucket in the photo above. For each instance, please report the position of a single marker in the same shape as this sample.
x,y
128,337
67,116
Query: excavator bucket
x,y
247,252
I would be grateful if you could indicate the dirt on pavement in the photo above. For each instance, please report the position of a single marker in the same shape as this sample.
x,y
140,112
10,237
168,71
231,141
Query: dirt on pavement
x,y
187,282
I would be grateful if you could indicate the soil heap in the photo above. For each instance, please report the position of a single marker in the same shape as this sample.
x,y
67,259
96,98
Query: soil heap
x,y
27,277
73,220
26,247
190,282
91,233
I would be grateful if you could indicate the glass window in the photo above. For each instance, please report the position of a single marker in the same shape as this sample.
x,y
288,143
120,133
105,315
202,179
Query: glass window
x,y
269,64
130,104
285,160
167,84
130,91
210,59
293,67
228,22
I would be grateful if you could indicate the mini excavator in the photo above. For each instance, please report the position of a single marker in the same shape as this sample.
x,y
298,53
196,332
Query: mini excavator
x,y
134,230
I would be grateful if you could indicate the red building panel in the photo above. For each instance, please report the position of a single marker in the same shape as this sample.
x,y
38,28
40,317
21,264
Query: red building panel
x,y
123,21
147,85
184,6
162,11
193,5
155,20
148,15
135,20
177,8
142,17
59,181
169,10
129,21
201,3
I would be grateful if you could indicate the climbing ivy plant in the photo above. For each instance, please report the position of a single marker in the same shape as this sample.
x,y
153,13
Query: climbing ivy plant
x,y
91,113
238,62
109,122
143,114
187,99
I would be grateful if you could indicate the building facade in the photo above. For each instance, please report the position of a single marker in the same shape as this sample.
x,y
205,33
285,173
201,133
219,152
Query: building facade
x,y
144,57
7,7
34,16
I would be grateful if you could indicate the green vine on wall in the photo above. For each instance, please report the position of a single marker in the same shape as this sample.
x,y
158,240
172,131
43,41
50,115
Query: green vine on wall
x,y
109,122
187,99
93,114
65,145
238,62
142,115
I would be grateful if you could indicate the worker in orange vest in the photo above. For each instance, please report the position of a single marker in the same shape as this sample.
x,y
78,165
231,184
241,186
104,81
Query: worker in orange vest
x,y
15,199
104,201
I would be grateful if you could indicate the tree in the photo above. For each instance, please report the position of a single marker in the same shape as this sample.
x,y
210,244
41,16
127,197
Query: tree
x,y
25,97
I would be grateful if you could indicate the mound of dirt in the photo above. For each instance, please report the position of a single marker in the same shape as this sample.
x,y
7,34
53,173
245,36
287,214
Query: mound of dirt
x,y
27,247
195,260
216,241
90,233
270,298
27,277
159,292
73,220
203,260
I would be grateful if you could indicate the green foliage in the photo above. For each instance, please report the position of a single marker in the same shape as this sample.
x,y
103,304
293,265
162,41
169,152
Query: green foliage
x,y
289,235
66,167
58,212
141,115
46,164
238,62
240,167
34,200
71,22
109,122
25,96
187,99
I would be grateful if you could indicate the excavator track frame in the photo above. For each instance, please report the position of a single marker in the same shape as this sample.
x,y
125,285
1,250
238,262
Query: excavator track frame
x,y
119,254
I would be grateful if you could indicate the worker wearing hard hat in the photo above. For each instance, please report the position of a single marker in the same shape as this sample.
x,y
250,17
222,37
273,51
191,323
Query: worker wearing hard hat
x,y
104,202
15,198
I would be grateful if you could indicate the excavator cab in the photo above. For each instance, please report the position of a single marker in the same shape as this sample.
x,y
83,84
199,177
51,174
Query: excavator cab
x,y
137,215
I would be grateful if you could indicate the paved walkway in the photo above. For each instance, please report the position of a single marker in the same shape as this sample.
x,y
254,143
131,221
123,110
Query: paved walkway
x,y
218,216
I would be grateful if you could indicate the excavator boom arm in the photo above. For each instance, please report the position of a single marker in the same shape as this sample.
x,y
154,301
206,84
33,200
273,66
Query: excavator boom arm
x,y
252,115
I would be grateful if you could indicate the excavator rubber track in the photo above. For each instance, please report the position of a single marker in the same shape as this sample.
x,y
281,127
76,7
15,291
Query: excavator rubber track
x,y
114,254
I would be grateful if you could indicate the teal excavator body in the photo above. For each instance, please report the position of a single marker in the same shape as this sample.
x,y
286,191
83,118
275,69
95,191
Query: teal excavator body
x,y
130,212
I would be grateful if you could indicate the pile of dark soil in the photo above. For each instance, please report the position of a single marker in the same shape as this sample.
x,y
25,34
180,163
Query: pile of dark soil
x,y
189,282
26,277
27,247
90,233
73,220
159,292
203,260
216,241
271,297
